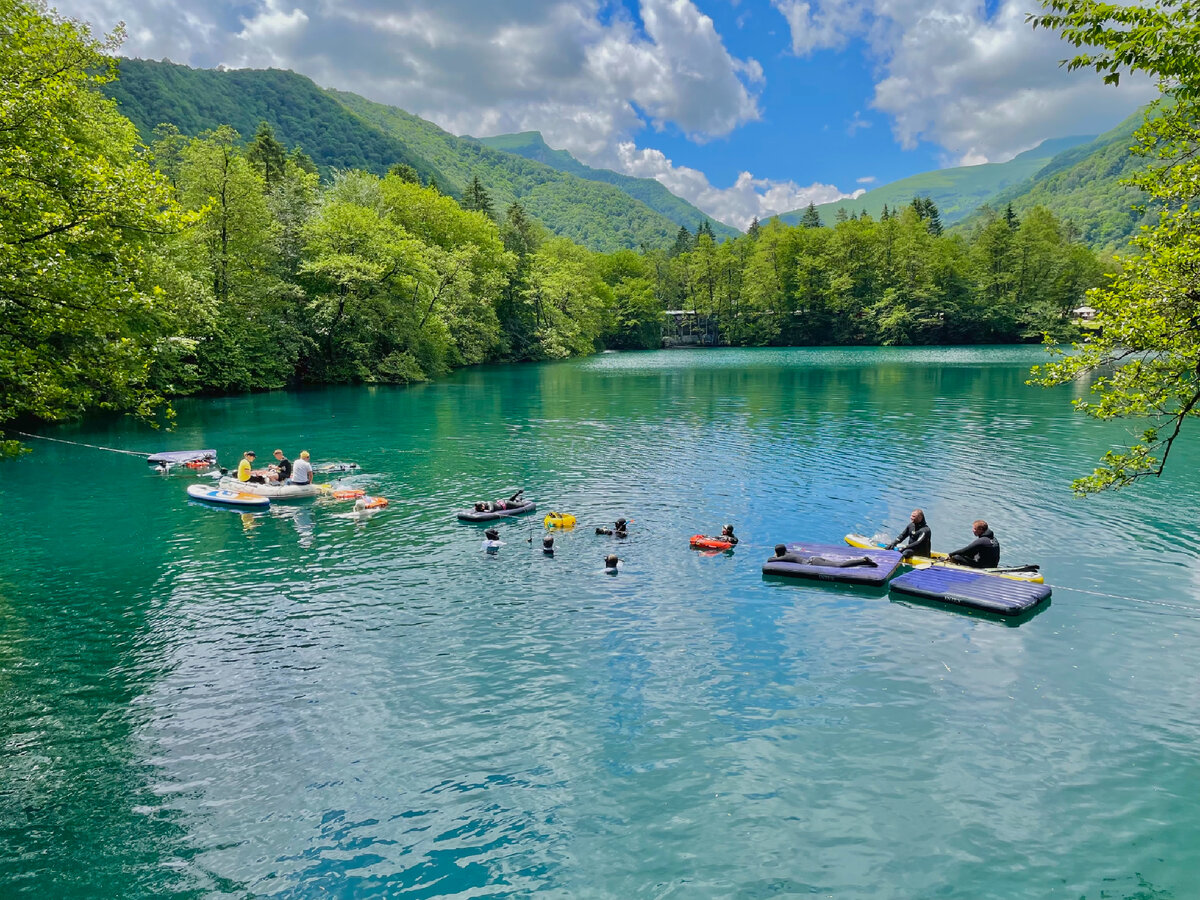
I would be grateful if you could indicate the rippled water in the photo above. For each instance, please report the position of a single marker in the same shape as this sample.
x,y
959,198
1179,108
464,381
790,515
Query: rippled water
x,y
306,703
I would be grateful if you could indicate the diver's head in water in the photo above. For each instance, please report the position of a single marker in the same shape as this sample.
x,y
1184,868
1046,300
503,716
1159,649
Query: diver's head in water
x,y
611,561
492,534
780,549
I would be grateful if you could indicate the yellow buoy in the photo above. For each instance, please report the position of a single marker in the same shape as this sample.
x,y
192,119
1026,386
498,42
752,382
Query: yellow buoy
x,y
559,520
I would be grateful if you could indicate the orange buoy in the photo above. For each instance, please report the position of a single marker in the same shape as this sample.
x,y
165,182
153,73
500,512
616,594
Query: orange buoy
x,y
348,494
374,503
701,542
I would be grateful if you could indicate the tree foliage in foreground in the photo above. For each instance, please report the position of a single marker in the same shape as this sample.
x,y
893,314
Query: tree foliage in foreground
x,y
1148,351
79,322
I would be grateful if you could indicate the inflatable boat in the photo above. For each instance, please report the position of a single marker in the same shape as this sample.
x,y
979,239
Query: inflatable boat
x,y
273,491
1013,573
516,509
700,542
210,494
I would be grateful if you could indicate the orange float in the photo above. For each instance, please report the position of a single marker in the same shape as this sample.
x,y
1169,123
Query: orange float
x,y
348,495
700,542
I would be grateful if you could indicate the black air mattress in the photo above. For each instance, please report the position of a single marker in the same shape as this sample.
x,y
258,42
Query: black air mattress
x,y
873,576
469,515
975,590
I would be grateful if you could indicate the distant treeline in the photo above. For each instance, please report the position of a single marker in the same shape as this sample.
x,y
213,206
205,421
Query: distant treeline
x,y
215,264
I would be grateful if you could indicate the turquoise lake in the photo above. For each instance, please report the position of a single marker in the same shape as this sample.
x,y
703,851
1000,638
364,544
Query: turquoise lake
x,y
309,703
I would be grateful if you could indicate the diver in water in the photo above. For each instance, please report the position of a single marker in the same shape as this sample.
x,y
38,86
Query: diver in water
x,y
782,555
620,529
491,541
548,545
918,534
611,564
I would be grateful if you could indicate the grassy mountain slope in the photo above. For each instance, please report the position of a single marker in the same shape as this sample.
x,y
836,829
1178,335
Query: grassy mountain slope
x,y
957,192
530,145
596,214
1080,185
195,100
341,130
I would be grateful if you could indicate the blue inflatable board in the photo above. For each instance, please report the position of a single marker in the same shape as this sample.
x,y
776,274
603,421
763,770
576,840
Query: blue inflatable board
x,y
976,590
887,561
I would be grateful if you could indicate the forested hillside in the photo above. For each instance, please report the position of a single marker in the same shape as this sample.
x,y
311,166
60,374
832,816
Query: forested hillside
x,y
194,100
530,145
345,131
600,216
1081,186
957,192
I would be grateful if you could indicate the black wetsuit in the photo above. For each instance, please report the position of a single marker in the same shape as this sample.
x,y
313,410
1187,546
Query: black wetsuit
x,y
920,539
824,561
981,553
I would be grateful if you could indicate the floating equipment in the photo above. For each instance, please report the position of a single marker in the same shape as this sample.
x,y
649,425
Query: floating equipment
x,y
183,457
972,588
274,491
1013,573
700,542
559,520
226,497
887,561
348,495
372,503
516,509
334,468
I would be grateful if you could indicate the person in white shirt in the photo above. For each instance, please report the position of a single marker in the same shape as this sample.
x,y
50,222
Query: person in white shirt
x,y
302,471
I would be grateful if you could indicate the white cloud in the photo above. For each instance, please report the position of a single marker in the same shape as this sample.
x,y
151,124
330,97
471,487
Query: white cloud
x,y
983,87
866,179
747,198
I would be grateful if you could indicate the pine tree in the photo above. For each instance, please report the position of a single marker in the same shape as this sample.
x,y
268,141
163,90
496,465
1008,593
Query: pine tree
x,y
683,241
704,228
841,215
811,218
476,198
885,215
1011,218
267,155
753,231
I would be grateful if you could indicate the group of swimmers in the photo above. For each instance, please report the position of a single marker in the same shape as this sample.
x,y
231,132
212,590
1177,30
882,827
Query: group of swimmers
x,y
917,540
282,471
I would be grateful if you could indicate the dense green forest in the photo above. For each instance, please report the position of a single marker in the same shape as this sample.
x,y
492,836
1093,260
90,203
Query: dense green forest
x,y
223,262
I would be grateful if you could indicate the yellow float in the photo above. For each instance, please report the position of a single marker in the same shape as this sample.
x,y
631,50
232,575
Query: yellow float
x,y
559,520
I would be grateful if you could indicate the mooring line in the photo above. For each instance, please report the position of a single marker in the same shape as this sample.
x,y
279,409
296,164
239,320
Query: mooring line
x,y
42,437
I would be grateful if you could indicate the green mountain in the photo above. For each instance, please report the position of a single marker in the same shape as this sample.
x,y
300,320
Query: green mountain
x,y
530,145
1080,185
194,100
957,192
344,131
596,213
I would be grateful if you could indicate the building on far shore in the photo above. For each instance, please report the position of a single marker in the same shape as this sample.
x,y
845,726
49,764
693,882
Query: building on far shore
x,y
1086,313
687,328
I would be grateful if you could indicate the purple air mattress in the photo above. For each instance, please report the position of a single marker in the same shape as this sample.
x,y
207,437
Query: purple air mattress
x,y
887,561
976,590
176,457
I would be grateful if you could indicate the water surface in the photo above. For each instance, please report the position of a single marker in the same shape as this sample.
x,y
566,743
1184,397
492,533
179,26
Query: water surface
x,y
306,703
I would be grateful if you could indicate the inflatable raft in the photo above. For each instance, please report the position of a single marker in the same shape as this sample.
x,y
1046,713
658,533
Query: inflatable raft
x,y
1012,573
210,494
700,542
273,491
559,520
886,563
516,509
973,589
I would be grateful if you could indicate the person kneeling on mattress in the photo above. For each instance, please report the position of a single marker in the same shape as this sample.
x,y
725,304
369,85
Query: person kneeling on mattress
x,y
782,555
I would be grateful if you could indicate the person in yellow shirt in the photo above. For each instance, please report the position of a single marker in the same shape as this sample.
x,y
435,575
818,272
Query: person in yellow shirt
x,y
245,466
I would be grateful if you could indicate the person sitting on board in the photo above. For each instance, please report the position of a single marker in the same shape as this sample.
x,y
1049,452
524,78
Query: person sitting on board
x,y
782,555
981,553
620,529
246,469
281,469
302,471
918,534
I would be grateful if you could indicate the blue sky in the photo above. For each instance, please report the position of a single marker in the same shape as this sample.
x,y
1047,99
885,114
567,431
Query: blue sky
x,y
744,107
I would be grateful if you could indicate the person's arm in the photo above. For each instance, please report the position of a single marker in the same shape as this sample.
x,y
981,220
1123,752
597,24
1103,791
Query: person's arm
x,y
970,551
907,532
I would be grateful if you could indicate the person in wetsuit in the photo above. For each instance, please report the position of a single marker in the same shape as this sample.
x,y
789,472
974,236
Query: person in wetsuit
x,y
782,555
620,529
981,553
918,535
